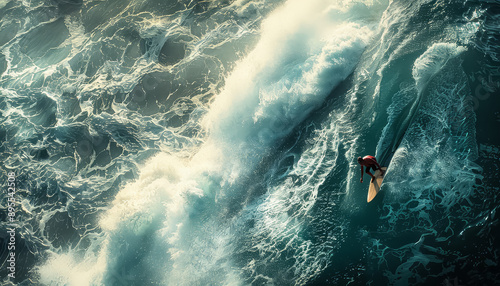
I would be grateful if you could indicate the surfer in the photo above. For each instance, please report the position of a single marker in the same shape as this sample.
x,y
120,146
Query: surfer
x,y
370,163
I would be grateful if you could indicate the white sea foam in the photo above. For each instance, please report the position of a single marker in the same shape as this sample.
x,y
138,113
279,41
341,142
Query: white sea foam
x,y
439,146
267,109
305,50
432,61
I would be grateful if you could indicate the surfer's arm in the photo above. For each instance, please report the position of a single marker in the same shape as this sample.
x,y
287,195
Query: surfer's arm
x,y
361,174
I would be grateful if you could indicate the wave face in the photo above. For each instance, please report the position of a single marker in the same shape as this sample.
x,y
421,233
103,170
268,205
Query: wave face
x,y
214,142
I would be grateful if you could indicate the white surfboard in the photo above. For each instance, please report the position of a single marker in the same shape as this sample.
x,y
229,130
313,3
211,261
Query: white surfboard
x,y
375,186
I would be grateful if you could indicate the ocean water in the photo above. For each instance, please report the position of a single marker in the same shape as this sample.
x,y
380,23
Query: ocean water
x,y
194,142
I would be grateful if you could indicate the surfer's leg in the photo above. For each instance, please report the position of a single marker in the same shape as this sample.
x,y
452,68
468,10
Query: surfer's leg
x,y
371,175
375,168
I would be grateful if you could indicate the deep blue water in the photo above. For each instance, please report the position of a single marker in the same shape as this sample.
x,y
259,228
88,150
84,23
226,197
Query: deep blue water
x,y
215,142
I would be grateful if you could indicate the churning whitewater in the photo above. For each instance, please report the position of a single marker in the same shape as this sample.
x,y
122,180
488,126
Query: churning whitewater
x,y
215,142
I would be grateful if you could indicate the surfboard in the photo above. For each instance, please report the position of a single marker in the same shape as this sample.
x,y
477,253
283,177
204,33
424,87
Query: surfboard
x,y
375,186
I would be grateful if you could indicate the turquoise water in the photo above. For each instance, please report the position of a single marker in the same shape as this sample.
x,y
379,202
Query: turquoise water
x,y
214,142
